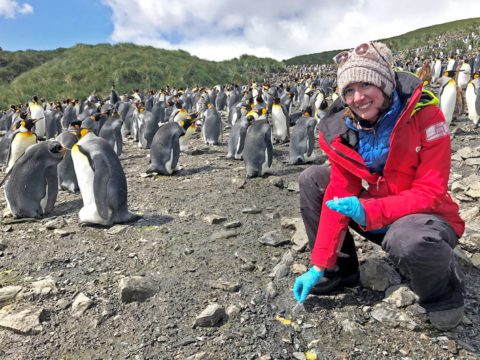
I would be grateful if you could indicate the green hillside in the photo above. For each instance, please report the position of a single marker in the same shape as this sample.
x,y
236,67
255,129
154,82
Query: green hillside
x,y
78,71
413,39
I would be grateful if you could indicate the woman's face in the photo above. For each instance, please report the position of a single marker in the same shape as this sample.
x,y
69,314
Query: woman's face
x,y
365,100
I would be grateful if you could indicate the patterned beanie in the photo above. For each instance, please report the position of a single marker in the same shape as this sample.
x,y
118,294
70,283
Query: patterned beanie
x,y
371,63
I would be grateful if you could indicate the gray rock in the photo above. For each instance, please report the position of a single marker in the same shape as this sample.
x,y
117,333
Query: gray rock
x,y
214,219
62,232
476,260
276,181
469,152
470,214
117,229
351,327
293,186
25,321
376,274
239,183
8,293
400,296
270,291
473,161
3,246
57,223
233,311
385,316
201,356
224,285
211,316
273,238
232,225
462,256
282,269
45,286
253,210
473,190
137,288
223,234
299,356
299,238
81,303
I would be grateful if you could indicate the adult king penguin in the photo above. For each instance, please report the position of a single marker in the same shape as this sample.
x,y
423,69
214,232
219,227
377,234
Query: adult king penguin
x,y
236,141
101,180
448,95
302,142
472,96
258,150
31,190
21,140
280,121
212,125
67,179
165,149
38,115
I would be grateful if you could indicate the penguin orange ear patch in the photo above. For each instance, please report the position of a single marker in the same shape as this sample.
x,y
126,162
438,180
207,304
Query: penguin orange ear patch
x,y
182,123
84,132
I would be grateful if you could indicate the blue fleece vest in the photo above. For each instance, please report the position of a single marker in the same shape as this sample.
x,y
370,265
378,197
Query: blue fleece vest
x,y
374,143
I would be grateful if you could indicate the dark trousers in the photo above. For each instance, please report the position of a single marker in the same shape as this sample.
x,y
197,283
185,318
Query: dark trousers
x,y
420,245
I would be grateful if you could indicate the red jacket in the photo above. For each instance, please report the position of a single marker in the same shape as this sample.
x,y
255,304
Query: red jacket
x,y
415,176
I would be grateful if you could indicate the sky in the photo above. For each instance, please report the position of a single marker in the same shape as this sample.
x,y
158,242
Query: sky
x,y
220,29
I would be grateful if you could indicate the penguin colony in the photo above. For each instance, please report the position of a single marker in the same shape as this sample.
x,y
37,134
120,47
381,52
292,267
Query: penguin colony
x,y
75,146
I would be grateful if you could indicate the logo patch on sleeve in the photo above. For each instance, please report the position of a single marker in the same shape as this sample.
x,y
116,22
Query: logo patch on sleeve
x,y
437,131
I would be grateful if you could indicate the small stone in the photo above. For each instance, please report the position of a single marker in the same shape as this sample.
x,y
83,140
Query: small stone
x,y
470,214
248,266
80,305
57,223
223,234
117,229
385,316
276,181
299,238
44,286
8,293
378,275
293,186
452,347
7,228
201,356
25,321
350,327
137,288
265,357
224,285
299,268
63,233
232,224
400,296
273,238
211,316
187,251
299,356
214,219
253,210
239,183
233,311
63,303
270,291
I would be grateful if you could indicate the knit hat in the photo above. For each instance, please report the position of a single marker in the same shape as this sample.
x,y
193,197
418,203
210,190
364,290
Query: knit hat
x,y
368,62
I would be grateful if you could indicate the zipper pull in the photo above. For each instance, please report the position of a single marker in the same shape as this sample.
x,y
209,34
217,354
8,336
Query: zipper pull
x,y
378,183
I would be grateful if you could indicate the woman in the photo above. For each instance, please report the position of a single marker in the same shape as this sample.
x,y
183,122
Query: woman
x,y
383,131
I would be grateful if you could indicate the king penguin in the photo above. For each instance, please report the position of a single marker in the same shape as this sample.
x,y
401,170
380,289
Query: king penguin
x,y
437,70
280,121
258,150
189,131
111,131
212,125
236,141
101,180
302,142
38,115
165,149
32,188
67,179
448,95
472,96
21,140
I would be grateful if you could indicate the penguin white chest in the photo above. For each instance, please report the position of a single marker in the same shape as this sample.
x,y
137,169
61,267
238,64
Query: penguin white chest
x,y
280,129
85,178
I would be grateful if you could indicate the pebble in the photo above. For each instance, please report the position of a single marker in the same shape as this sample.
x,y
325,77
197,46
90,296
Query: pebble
x,y
232,224
224,285
80,305
26,320
211,316
214,219
252,210
137,288
273,238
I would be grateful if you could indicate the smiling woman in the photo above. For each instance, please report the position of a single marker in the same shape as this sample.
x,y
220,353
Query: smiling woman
x,y
379,128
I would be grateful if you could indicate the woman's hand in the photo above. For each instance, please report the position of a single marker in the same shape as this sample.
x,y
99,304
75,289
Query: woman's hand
x,y
349,206
304,283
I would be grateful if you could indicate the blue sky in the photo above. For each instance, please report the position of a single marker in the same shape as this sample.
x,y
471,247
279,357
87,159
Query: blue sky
x,y
220,29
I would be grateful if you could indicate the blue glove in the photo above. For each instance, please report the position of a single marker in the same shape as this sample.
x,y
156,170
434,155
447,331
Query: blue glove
x,y
305,282
349,206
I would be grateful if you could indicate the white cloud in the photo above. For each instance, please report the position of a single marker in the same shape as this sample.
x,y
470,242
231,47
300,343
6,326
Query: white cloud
x,y
221,29
10,8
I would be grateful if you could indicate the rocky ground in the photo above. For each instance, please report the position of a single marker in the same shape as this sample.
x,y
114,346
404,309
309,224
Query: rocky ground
x,y
197,278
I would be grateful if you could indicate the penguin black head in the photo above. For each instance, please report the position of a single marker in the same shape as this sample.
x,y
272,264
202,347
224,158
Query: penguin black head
x,y
250,119
449,73
35,98
187,123
178,104
27,124
56,148
276,100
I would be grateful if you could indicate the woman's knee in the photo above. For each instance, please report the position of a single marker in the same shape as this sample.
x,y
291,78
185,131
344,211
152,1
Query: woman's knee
x,y
315,176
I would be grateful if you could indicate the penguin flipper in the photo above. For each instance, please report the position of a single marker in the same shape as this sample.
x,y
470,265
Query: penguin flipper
x,y
52,189
100,182
311,141
269,147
